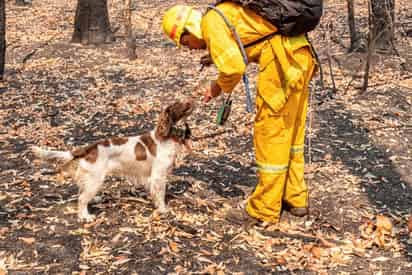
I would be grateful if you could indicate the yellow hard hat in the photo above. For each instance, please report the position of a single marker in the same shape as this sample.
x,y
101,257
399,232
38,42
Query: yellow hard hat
x,y
179,18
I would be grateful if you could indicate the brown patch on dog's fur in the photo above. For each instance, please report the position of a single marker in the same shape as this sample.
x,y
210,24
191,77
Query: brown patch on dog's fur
x,y
140,152
150,144
164,125
178,139
92,155
90,152
170,116
105,143
119,140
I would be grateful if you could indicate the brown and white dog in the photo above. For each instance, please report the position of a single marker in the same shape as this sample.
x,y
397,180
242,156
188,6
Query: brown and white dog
x,y
146,159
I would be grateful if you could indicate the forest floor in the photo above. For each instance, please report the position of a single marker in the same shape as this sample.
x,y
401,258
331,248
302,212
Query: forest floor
x,y
58,94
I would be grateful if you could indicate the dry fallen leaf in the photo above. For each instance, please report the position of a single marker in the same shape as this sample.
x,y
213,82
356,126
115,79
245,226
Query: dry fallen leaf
x,y
384,224
324,242
3,231
367,229
179,269
211,269
380,239
380,259
316,252
174,247
281,260
327,157
117,237
204,259
163,250
268,245
407,83
93,223
29,240
122,259
307,247
84,267
410,224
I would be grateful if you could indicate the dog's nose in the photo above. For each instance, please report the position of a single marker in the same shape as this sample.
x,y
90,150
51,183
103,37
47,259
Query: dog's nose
x,y
189,103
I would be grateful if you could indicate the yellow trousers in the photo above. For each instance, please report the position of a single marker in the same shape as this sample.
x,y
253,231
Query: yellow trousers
x,y
279,135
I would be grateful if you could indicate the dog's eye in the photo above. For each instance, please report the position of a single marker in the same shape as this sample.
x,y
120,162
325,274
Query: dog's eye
x,y
188,133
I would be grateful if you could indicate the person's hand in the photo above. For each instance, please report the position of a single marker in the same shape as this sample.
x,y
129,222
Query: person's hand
x,y
211,92
206,60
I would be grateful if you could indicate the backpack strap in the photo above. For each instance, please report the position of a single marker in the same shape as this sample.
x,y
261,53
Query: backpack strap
x,y
263,38
233,31
235,35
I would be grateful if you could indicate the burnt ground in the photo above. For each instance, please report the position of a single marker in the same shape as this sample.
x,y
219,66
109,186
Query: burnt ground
x,y
65,95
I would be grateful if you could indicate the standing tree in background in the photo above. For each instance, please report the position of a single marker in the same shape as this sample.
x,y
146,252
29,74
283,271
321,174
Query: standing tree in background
x,y
2,36
355,37
91,24
130,38
23,2
383,17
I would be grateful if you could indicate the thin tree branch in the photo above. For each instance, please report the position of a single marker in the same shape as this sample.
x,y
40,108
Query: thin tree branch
x,y
329,58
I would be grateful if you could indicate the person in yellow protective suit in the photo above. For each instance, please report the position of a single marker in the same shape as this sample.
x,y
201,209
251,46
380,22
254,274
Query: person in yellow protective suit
x,y
286,66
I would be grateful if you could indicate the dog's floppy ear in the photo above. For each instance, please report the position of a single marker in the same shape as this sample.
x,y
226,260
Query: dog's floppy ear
x,y
164,124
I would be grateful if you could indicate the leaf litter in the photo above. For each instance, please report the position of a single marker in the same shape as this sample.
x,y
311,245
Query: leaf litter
x,y
67,95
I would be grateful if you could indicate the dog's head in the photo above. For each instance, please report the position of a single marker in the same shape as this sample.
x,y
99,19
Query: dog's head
x,y
170,116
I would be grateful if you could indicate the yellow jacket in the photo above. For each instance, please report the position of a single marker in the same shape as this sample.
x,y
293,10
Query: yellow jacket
x,y
250,27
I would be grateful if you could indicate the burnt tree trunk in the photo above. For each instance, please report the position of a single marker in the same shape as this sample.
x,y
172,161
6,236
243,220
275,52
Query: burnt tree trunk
x,y
355,38
383,16
91,24
371,48
130,38
2,36
23,2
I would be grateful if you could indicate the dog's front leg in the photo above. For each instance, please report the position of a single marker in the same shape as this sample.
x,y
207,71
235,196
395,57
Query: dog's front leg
x,y
133,181
158,192
90,184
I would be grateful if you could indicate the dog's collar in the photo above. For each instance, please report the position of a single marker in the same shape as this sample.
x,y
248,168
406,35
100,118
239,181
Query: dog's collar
x,y
181,133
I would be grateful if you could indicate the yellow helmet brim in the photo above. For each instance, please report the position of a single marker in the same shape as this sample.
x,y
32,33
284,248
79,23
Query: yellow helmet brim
x,y
180,18
193,24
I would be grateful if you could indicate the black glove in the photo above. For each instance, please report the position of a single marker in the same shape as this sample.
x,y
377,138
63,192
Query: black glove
x,y
206,60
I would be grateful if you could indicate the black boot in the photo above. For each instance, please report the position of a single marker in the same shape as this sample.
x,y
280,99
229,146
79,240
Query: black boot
x,y
299,211
296,211
240,217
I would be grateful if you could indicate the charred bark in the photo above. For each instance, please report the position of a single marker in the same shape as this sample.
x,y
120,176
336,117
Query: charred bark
x,y
355,37
91,24
130,38
2,36
23,2
383,16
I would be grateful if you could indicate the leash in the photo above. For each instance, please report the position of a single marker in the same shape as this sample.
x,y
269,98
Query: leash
x,y
245,78
207,136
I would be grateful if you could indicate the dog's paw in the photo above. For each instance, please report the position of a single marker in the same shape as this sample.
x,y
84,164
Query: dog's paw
x,y
133,191
162,210
161,214
97,199
87,217
37,151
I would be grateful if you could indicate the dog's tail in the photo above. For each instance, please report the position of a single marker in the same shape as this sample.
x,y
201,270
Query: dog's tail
x,y
50,155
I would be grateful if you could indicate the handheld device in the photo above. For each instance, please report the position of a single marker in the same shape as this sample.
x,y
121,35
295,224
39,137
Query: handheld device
x,y
224,111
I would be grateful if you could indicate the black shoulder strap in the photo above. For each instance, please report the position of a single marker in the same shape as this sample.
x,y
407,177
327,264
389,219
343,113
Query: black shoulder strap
x,y
263,38
236,36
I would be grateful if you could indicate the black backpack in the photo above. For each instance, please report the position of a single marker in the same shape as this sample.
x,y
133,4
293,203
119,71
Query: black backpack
x,y
291,17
